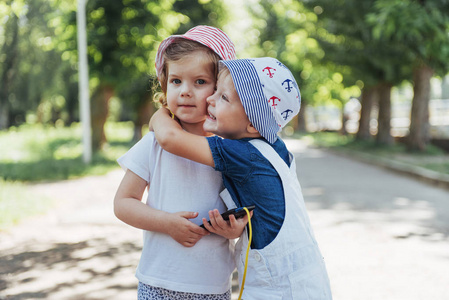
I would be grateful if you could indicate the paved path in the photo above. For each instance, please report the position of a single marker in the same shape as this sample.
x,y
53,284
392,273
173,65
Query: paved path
x,y
384,236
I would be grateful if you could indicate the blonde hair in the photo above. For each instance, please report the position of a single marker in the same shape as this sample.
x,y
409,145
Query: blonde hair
x,y
177,51
223,71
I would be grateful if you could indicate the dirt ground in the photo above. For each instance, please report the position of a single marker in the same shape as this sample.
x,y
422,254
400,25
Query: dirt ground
x,y
79,250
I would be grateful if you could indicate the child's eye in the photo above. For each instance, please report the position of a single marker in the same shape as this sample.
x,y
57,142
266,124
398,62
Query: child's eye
x,y
224,98
176,81
201,81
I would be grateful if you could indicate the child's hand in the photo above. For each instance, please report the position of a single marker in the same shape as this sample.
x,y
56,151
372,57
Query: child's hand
x,y
184,231
160,113
231,229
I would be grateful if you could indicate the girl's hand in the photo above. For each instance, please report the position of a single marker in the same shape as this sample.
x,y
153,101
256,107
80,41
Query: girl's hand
x,y
184,231
231,229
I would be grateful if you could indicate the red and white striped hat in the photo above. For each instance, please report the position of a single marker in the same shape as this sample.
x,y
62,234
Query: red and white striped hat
x,y
211,37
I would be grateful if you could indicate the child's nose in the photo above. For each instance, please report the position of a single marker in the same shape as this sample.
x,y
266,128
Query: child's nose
x,y
210,100
186,90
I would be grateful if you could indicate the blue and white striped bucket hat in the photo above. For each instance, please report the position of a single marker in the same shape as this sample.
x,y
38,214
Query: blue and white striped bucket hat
x,y
268,91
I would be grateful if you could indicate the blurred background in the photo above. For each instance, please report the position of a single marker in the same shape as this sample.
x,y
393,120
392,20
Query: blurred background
x,y
374,80
372,74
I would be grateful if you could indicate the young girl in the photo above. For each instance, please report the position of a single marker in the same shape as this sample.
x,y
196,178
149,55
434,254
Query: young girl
x,y
180,260
254,99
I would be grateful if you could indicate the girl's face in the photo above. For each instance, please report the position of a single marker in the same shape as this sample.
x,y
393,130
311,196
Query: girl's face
x,y
189,82
226,115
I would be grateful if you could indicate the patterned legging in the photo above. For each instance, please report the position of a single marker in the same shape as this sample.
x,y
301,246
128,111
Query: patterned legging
x,y
148,292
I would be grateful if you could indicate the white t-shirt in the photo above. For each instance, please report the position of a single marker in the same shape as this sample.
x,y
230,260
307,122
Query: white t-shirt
x,y
178,184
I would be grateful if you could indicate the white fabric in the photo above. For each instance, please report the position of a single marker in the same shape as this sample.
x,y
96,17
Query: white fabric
x,y
268,91
177,184
290,267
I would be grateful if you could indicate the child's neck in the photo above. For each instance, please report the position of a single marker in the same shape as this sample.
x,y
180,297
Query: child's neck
x,y
195,128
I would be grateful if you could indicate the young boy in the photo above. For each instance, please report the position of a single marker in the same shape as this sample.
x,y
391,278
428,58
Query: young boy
x,y
254,99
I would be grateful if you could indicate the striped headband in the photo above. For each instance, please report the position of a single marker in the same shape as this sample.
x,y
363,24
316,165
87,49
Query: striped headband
x,y
211,37
268,91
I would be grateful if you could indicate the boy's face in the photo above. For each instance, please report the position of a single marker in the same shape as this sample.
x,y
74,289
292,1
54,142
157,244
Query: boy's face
x,y
226,115
189,82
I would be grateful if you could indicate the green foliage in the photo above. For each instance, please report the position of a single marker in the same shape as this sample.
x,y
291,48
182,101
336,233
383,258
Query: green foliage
x,y
38,43
38,153
328,139
37,72
421,27
288,30
202,12
346,36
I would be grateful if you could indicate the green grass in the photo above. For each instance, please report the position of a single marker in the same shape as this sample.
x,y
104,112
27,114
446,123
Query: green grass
x,y
37,153
17,203
34,153
433,158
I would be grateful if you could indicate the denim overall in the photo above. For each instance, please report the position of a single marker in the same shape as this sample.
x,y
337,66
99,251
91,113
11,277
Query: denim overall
x,y
291,266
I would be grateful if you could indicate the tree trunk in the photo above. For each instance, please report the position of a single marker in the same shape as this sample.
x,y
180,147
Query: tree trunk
x,y
99,114
383,133
144,113
10,48
344,119
445,87
419,136
299,121
4,115
367,100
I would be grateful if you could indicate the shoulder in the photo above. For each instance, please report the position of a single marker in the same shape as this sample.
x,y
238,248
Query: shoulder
x,y
148,138
227,147
146,145
233,157
138,158
280,147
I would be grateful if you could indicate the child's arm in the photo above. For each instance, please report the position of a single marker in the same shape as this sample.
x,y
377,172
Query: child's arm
x,y
129,208
172,138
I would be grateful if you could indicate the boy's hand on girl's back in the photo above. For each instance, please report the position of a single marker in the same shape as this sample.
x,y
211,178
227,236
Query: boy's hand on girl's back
x,y
184,231
161,112
231,229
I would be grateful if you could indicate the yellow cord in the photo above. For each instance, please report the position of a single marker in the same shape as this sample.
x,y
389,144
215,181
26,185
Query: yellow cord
x,y
247,251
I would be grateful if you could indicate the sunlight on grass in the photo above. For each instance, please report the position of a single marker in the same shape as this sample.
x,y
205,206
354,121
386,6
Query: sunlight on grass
x,y
37,153
69,150
433,158
16,203
33,153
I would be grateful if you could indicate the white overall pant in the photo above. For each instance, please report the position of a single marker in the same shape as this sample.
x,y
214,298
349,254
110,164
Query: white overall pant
x,y
291,266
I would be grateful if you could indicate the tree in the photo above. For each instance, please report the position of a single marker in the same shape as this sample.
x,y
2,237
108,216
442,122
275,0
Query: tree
x,y
421,27
123,37
122,40
347,39
8,58
31,68
286,30
367,99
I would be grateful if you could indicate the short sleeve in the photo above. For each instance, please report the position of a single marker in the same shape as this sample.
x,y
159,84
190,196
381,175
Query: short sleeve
x,y
216,153
234,158
137,159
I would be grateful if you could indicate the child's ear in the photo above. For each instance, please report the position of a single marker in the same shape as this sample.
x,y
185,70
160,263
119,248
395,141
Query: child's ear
x,y
251,129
